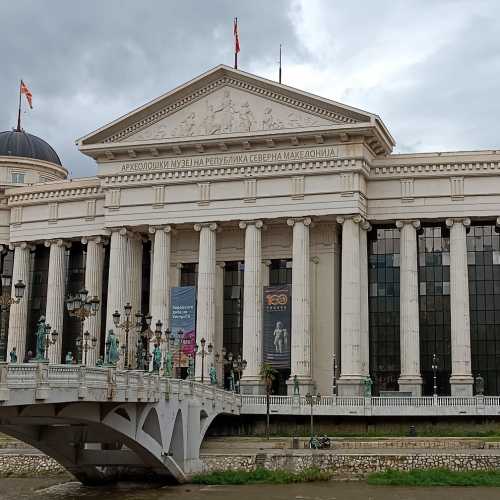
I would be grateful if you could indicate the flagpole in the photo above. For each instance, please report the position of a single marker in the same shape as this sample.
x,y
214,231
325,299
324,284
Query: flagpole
x,y
235,51
279,79
19,109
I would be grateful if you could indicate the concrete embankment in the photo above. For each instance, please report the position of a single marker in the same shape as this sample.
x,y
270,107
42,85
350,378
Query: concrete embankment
x,y
348,458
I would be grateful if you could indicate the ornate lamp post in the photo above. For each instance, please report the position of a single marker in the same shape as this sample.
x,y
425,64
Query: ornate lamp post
x,y
84,344
81,306
434,367
311,400
6,300
238,366
143,337
202,353
335,368
126,327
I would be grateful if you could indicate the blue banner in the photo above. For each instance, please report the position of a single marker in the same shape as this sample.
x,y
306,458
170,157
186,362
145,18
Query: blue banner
x,y
183,322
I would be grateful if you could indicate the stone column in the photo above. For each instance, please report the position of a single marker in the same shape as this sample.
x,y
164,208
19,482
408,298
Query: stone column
x,y
56,289
410,379
364,326
160,279
351,378
94,269
461,379
117,286
205,308
252,310
219,317
301,308
134,290
18,317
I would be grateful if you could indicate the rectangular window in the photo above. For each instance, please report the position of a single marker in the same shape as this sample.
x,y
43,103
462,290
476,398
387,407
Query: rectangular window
x,y
18,177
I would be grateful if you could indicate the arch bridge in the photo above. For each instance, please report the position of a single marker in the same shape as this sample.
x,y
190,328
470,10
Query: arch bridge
x,y
104,423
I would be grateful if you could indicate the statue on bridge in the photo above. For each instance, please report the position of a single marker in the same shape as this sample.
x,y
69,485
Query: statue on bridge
x,y
112,354
479,383
368,387
190,370
156,358
69,358
213,375
169,364
41,339
13,355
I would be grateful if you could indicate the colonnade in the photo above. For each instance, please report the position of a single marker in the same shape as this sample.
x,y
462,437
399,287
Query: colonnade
x,y
124,286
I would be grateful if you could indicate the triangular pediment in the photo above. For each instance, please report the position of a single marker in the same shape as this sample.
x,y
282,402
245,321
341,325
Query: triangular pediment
x,y
225,101
229,110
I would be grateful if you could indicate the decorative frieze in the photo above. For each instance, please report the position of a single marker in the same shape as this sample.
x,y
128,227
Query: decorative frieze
x,y
113,197
347,183
204,193
16,216
407,189
158,196
250,190
297,187
90,210
66,192
457,188
53,212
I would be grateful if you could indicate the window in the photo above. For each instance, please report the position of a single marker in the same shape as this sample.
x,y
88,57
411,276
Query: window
x,y
483,250
383,300
434,290
18,177
233,307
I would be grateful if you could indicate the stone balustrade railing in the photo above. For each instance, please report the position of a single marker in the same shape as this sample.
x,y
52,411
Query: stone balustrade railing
x,y
35,383
374,406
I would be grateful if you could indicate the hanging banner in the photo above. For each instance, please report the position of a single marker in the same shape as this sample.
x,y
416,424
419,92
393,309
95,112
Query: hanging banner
x,y
183,322
277,325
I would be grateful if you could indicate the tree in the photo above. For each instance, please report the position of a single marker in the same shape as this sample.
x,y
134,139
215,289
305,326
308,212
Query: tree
x,y
268,376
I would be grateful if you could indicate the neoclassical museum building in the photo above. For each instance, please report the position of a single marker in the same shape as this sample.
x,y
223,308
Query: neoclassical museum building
x,y
308,244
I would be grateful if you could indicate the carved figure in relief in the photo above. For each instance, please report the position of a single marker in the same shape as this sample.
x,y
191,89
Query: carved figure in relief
x,y
187,126
225,113
269,122
246,118
280,338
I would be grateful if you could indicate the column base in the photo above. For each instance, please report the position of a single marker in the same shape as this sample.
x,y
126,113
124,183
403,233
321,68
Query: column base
x,y
411,383
252,385
306,385
461,385
351,385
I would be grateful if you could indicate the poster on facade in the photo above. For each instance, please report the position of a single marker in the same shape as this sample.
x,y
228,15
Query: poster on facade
x,y
183,323
277,325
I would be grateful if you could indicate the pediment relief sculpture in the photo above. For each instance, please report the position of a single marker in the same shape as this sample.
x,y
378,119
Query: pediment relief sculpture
x,y
228,111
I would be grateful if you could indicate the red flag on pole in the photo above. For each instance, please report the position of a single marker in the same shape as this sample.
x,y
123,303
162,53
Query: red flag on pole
x,y
26,91
236,42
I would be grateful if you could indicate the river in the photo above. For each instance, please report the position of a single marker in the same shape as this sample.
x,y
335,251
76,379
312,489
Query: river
x,y
57,489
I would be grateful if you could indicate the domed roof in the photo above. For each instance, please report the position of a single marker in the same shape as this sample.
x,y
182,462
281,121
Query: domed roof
x,y
20,143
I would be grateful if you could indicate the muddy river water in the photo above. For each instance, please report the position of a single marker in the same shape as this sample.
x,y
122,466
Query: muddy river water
x,y
60,489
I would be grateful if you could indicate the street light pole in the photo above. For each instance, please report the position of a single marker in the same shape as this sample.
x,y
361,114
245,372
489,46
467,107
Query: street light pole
x,y
84,345
202,353
126,326
6,300
434,371
312,399
335,367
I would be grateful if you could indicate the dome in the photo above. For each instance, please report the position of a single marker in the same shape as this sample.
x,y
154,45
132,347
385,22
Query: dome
x,y
20,143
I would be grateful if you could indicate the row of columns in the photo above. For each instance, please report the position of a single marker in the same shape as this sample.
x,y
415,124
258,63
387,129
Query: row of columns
x,y
125,275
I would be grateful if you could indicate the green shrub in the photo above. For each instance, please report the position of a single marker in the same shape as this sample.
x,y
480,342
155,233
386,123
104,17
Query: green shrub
x,y
435,477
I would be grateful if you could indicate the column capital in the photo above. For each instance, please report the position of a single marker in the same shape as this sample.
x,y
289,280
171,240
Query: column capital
x,y
356,218
463,220
121,230
57,242
414,222
365,225
220,264
211,225
178,265
257,223
305,220
315,260
498,221
99,240
166,229
22,244
266,262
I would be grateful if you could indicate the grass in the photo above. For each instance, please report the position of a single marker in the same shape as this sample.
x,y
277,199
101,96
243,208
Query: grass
x,y
261,476
435,477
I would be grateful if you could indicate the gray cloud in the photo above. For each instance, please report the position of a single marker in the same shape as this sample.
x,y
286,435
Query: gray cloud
x,y
430,69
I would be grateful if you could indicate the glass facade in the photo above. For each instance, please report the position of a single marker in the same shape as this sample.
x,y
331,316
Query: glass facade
x,y
383,293
7,264
39,273
75,281
189,274
280,272
233,307
483,258
434,297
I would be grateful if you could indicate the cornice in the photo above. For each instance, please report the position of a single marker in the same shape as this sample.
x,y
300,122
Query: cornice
x,y
235,83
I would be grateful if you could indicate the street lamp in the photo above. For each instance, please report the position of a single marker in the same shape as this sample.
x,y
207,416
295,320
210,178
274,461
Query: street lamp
x,y
126,326
434,367
238,366
84,344
45,338
6,300
311,400
335,368
143,355
82,307
202,353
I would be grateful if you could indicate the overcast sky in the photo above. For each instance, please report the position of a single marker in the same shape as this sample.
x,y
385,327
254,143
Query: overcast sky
x,y
430,69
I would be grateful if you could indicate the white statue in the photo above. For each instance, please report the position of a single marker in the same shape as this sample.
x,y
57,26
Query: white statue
x,y
280,338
